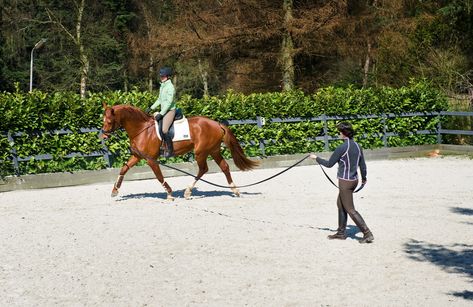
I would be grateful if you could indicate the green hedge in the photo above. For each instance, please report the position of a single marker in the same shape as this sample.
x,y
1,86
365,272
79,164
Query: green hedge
x,y
38,111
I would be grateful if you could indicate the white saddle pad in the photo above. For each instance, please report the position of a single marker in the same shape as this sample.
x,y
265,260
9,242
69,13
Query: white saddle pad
x,y
181,130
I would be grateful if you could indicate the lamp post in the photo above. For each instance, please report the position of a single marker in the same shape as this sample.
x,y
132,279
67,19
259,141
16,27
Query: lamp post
x,y
38,45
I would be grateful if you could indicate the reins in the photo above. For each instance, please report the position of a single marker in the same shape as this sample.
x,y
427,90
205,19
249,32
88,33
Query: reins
x,y
152,124
110,132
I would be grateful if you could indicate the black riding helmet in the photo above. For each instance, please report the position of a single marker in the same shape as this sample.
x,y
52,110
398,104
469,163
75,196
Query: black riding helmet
x,y
165,72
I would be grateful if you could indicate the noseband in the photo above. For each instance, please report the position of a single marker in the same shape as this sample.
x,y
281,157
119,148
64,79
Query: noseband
x,y
107,133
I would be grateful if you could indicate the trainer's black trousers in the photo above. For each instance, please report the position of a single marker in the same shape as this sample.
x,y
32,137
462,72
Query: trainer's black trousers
x,y
345,195
346,206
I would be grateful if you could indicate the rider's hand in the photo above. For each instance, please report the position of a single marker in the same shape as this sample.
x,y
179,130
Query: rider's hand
x,y
313,156
148,110
159,116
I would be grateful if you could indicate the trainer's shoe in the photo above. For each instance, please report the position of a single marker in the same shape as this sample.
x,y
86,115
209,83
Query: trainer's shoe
x,y
367,238
337,236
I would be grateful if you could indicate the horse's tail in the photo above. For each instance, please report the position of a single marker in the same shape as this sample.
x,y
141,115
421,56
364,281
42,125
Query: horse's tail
x,y
241,161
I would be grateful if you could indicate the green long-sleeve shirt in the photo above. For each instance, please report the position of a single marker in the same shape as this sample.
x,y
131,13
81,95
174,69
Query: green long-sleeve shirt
x,y
165,98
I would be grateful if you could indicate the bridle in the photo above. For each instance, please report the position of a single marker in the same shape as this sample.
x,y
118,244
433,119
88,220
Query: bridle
x,y
107,133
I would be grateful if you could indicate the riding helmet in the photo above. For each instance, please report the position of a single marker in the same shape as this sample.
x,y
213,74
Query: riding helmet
x,y
165,72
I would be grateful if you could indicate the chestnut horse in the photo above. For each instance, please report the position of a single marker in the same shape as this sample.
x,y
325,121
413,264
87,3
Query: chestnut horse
x,y
206,138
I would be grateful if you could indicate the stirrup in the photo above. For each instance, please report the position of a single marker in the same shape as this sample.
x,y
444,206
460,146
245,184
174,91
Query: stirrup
x,y
168,154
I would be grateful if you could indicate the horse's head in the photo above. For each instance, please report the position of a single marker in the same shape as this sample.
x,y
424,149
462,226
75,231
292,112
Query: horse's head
x,y
110,122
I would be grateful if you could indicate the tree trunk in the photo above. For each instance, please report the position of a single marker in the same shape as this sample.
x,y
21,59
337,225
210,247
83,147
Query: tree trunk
x,y
204,76
125,80
150,73
84,73
174,82
84,60
470,100
76,37
148,18
287,50
366,68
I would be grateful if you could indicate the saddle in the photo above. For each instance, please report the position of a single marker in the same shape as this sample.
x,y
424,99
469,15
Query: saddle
x,y
179,129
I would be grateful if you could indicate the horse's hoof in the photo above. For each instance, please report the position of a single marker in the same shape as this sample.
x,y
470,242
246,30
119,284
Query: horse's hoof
x,y
114,193
236,193
188,193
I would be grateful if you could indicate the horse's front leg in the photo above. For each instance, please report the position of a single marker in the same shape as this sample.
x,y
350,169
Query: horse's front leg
x,y
188,191
131,162
159,175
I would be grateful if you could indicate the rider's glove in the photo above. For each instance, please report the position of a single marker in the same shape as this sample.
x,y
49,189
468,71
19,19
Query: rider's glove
x,y
159,117
148,110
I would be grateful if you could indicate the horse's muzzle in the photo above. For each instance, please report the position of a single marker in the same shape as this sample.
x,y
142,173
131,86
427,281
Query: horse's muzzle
x,y
104,134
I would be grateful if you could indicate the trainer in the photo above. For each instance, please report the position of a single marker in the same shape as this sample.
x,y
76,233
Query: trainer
x,y
349,156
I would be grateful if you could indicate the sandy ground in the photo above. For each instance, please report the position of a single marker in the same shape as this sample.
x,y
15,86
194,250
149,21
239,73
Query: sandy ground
x,y
75,246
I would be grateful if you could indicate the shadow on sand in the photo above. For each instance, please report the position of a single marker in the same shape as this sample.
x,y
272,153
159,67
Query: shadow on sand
x,y
352,230
457,258
180,194
463,211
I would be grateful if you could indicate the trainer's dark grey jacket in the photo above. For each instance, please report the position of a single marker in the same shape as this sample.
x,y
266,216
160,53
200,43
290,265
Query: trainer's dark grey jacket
x,y
349,156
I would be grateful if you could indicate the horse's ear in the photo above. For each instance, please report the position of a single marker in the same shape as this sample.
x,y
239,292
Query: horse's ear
x,y
104,105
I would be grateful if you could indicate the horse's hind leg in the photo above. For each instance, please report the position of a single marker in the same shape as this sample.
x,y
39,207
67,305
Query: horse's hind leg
x,y
131,162
203,168
226,170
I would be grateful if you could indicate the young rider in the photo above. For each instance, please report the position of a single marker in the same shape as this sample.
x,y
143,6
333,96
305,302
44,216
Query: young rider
x,y
167,112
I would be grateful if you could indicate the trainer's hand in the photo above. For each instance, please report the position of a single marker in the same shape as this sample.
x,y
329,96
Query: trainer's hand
x,y
313,156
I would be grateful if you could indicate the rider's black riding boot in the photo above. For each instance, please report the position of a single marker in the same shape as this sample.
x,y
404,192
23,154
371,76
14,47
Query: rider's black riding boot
x,y
169,146
367,235
342,225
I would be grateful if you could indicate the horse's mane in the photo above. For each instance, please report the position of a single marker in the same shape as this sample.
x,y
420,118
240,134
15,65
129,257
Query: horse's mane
x,y
132,112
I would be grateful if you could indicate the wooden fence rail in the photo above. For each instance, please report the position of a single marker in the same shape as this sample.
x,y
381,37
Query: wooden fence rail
x,y
260,122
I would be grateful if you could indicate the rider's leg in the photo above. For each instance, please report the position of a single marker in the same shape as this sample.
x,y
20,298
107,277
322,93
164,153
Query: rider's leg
x,y
167,122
